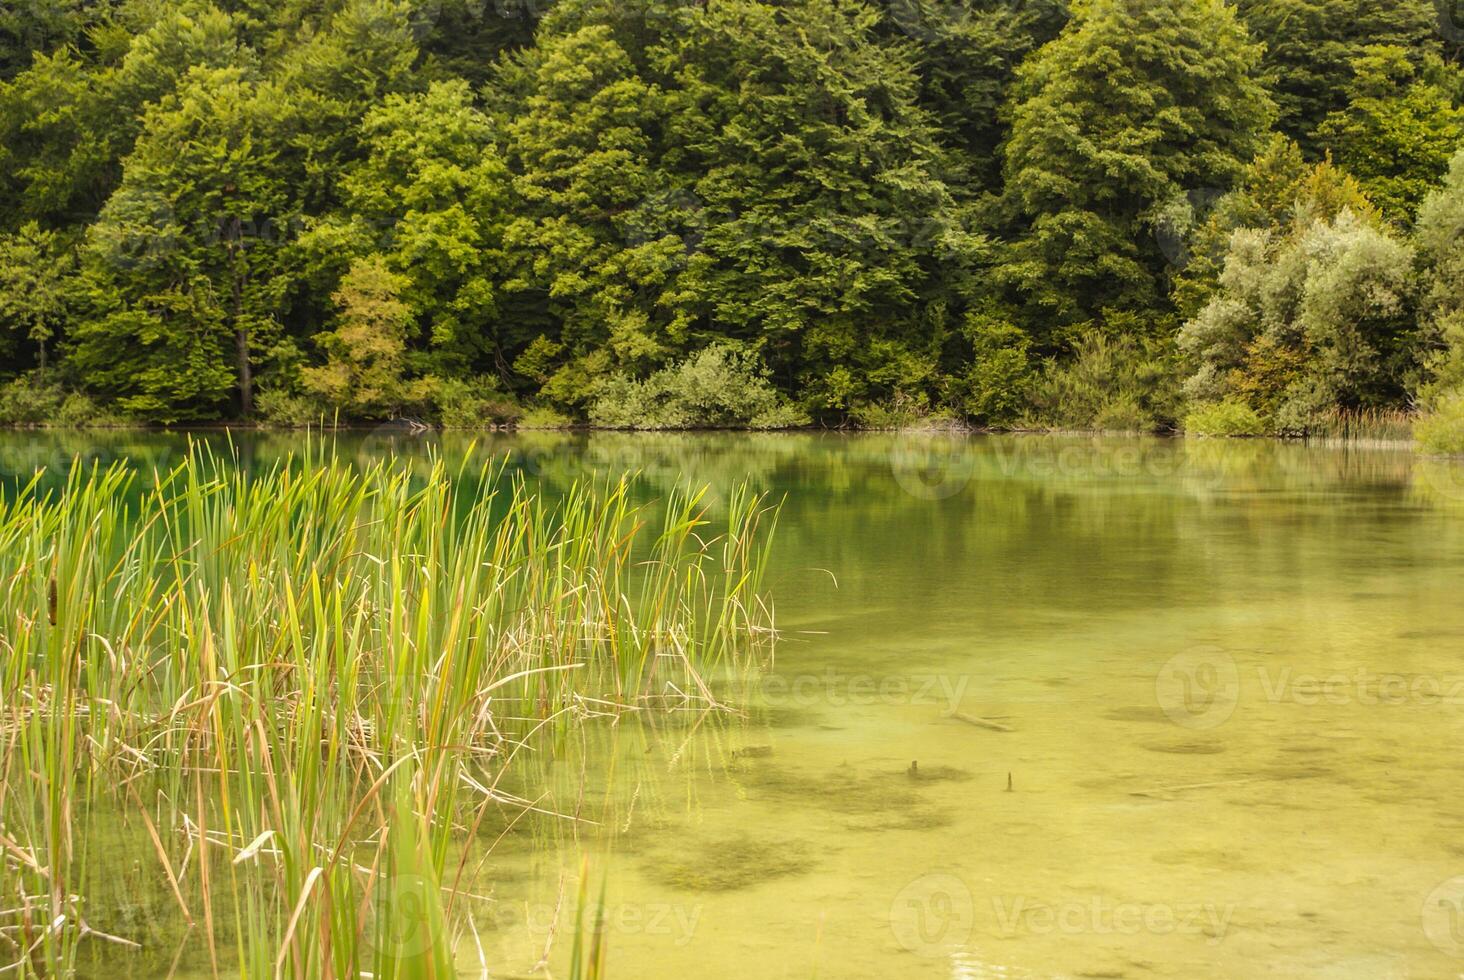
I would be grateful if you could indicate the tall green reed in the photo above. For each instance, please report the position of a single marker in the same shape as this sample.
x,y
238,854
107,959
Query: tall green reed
x,y
306,693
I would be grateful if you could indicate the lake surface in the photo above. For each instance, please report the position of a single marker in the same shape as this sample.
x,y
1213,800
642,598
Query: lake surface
x,y
1175,708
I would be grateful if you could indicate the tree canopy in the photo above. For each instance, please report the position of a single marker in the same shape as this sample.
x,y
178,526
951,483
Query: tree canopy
x,y
829,211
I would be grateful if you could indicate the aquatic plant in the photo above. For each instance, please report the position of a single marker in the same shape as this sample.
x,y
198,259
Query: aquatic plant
x,y
305,694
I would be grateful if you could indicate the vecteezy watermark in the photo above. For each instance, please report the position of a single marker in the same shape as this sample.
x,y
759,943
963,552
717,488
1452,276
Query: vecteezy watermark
x,y
1199,687
1021,915
673,921
932,914
1175,221
409,924
1443,478
1360,686
1450,20
837,689
937,912
1443,917
934,466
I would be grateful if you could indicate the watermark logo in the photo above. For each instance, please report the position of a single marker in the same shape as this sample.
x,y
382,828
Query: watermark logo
x,y
1443,917
1450,20
1175,222
675,922
1199,688
932,914
837,689
1441,478
406,924
934,467
1021,915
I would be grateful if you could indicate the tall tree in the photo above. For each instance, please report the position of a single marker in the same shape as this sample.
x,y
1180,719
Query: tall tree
x,y
186,254
35,271
363,373
1136,103
1311,45
746,169
966,54
67,121
1399,129
430,198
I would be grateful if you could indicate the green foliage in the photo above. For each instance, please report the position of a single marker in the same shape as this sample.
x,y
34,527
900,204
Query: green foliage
x,y
717,387
1311,46
1439,237
994,387
542,417
902,412
363,376
1441,431
1231,417
465,403
429,198
914,212
1112,382
1136,102
185,266
1277,191
666,204
31,400
967,56
1320,319
1399,128
35,274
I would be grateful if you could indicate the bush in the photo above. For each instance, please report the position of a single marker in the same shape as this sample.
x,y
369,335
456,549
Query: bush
x,y
279,408
720,386
466,403
542,417
1441,432
995,385
28,401
1111,383
902,411
1231,417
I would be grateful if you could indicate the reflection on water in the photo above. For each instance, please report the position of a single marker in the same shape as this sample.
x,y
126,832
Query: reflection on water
x,y
1045,707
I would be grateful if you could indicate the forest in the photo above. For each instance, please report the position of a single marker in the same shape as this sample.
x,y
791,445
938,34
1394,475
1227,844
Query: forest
x,y
1136,215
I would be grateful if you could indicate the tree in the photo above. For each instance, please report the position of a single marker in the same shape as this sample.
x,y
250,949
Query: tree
x,y
67,121
1399,128
1320,319
966,55
1136,102
36,267
1439,237
742,170
362,376
186,256
1278,192
831,239
1311,45
586,149
430,198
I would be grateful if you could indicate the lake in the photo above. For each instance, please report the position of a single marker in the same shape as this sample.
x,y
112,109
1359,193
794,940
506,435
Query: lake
x,y
1042,707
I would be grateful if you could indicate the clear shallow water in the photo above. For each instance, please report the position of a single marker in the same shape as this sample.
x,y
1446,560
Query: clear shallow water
x,y
1225,681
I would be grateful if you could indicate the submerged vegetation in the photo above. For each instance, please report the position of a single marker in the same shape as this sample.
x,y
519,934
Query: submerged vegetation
x,y
305,697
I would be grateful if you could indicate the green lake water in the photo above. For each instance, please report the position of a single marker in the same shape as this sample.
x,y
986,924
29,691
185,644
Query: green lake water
x,y
1176,709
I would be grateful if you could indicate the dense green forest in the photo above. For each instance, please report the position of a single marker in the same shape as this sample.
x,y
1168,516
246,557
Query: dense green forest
x,y
1124,214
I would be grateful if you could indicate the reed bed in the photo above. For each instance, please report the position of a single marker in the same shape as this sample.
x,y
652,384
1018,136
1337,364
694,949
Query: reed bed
x,y
308,694
1364,426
